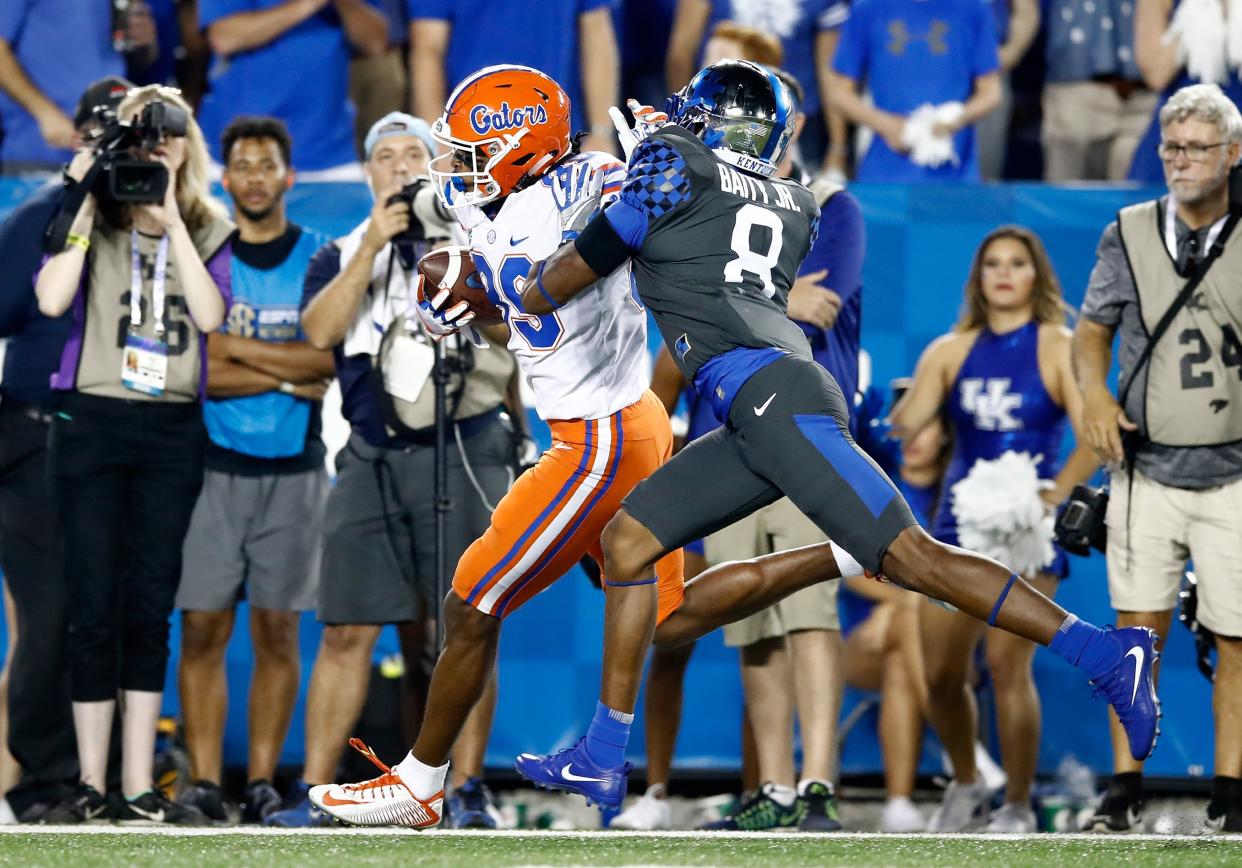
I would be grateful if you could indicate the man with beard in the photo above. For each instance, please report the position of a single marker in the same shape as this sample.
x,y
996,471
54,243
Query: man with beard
x,y
255,528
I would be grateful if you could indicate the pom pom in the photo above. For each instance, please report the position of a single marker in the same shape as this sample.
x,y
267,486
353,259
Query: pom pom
x,y
927,148
1000,514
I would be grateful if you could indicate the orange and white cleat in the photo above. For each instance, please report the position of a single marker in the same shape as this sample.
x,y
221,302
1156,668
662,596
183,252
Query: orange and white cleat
x,y
382,801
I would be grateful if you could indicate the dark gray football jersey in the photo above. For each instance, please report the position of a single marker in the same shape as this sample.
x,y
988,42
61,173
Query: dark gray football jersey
x,y
721,249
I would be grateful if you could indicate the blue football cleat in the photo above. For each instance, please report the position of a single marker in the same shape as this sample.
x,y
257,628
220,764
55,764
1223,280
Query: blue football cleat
x,y
1131,690
472,806
572,771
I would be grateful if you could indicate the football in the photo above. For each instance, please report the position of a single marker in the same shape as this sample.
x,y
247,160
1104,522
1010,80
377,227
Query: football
x,y
453,269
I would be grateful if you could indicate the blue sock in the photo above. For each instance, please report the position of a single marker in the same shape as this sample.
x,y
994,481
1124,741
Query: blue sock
x,y
608,736
1085,646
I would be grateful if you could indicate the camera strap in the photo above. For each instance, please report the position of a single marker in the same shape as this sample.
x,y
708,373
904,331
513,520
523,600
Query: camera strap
x,y
57,232
157,283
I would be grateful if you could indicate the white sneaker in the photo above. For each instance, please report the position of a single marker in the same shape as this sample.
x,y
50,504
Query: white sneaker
x,y
382,801
900,815
992,775
647,814
961,804
1014,818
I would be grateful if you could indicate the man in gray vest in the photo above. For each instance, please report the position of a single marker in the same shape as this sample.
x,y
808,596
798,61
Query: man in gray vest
x,y
1177,480
378,561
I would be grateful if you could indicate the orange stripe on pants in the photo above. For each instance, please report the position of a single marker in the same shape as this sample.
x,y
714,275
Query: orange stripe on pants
x,y
556,511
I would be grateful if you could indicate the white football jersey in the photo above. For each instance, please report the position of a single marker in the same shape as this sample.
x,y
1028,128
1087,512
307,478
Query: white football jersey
x,y
588,359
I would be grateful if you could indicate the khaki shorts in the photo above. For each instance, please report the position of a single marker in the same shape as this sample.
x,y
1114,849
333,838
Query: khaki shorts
x,y
775,528
1168,527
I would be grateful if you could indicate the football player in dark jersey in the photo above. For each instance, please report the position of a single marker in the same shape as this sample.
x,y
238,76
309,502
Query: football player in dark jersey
x,y
714,242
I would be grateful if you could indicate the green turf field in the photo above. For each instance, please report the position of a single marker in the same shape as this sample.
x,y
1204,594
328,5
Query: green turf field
x,y
482,850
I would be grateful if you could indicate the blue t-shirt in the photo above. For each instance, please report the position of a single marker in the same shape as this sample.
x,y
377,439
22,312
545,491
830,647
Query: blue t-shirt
x,y
267,298
168,37
301,77
543,35
911,52
34,29
796,23
839,248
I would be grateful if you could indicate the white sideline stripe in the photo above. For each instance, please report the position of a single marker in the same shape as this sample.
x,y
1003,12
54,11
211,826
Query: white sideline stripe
x,y
602,834
595,477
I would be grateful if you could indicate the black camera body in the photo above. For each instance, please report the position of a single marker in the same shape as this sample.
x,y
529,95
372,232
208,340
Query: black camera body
x,y
1081,525
124,178
425,208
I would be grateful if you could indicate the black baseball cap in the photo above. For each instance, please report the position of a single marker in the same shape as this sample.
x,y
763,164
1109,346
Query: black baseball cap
x,y
106,92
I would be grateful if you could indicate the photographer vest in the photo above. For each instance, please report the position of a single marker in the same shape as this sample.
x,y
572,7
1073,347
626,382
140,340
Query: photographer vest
x,y
106,324
1193,391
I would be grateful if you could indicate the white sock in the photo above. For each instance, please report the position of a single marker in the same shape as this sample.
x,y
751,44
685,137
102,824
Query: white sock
x,y
903,801
425,781
657,791
845,562
806,782
782,795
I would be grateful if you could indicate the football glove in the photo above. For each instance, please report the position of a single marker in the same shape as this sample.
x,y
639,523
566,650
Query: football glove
x,y
646,121
439,321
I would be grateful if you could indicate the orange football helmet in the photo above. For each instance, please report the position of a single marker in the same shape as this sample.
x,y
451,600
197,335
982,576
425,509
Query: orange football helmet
x,y
502,124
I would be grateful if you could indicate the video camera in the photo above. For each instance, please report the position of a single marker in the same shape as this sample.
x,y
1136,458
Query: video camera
x,y
125,178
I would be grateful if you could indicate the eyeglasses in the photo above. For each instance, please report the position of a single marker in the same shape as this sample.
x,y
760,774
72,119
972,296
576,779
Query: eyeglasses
x,y
1194,152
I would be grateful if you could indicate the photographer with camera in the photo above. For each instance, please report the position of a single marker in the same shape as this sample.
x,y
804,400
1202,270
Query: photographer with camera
x,y
1166,279
378,563
40,734
145,271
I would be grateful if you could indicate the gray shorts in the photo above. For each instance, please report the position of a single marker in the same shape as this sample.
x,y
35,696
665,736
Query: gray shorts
x,y
255,537
787,433
379,527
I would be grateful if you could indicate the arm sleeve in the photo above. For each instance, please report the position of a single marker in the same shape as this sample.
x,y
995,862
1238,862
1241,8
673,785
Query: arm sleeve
x,y
851,57
1110,287
435,9
12,19
985,57
657,183
211,11
220,267
835,14
324,266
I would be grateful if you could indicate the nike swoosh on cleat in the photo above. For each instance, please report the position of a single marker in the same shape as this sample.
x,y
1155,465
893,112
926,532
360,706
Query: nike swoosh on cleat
x,y
1138,655
762,408
570,776
330,800
153,816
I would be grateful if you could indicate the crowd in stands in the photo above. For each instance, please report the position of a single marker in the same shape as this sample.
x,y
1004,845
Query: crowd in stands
x,y
1063,90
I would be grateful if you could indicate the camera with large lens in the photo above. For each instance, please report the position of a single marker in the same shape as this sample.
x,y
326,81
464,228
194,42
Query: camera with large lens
x,y
429,219
123,177
1081,525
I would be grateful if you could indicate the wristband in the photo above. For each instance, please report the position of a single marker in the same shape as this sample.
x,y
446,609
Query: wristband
x,y
287,387
539,285
75,240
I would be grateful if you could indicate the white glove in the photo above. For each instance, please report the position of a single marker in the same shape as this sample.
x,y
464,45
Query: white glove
x,y
646,121
440,323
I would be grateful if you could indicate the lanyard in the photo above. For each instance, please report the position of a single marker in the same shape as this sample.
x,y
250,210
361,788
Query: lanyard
x,y
1170,229
157,283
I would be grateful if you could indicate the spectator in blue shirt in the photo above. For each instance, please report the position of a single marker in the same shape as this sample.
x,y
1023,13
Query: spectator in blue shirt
x,y
290,59
808,31
571,40
39,85
908,55
1096,106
